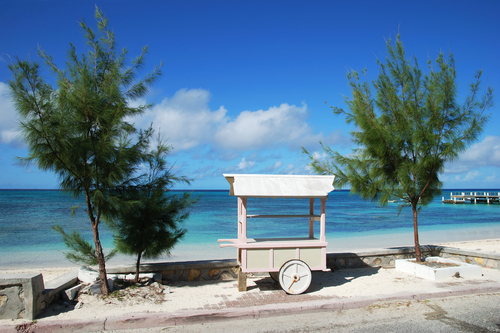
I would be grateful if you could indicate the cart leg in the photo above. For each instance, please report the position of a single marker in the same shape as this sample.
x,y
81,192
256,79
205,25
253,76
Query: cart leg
x,y
242,281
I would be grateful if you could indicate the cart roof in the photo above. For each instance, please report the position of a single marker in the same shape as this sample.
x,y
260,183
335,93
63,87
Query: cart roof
x,y
280,186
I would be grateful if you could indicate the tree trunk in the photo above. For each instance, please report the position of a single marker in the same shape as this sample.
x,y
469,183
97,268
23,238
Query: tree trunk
x,y
137,266
100,258
418,255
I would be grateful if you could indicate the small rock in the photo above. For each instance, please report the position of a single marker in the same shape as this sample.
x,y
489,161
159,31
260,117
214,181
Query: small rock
x,y
95,289
79,305
71,293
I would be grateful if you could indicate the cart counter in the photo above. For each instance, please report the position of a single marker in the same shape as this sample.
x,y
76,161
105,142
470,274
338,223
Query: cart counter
x,y
269,254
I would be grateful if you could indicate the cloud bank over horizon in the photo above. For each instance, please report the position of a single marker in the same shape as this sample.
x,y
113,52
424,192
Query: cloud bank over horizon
x,y
210,141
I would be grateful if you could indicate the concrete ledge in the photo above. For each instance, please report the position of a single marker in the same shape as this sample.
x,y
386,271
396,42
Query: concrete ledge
x,y
55,287
155,267
21,296
226,269
456,251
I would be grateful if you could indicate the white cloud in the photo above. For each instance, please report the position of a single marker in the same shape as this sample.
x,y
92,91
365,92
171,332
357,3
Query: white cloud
x,y
273,167
8,116
244,164
285,125
277,165
472,175
264,128
485,153
187,121
319,155
481,154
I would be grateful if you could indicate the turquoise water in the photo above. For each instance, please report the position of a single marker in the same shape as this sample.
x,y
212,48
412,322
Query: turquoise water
x,y
26,217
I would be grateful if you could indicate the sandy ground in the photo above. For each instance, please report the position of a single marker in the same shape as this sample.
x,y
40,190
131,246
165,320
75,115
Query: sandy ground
x,y
486,245
195,295
192,296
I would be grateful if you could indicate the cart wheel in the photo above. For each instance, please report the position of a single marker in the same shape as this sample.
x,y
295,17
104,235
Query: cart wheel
x,y
295,277
275,276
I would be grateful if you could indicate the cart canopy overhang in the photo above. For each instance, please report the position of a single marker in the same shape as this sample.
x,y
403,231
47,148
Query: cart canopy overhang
x,y
279,186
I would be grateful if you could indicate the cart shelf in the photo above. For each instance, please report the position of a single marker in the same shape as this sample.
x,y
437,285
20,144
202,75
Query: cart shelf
x,y
255,243
315,217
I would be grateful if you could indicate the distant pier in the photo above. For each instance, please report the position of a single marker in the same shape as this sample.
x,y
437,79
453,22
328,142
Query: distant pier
x,y
473,197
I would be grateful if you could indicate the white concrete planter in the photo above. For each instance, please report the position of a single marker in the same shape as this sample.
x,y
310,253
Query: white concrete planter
x,y
410,266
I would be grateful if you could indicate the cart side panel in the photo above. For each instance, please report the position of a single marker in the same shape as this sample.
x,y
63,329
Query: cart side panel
x,y
257,258
281,256
311,256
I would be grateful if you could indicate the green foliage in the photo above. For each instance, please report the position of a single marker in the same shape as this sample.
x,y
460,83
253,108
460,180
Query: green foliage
x,y
406,131
151,226
81,251
78,129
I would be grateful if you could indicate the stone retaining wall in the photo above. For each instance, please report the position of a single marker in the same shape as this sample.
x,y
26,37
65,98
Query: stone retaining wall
x,y
387,257
228,269
187,271
470,257
374,258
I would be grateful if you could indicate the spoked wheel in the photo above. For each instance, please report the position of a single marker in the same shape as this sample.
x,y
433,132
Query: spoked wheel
x,y
295,277
275,276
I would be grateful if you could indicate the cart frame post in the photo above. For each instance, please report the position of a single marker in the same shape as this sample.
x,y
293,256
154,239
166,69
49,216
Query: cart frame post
x,y
311,219
322,233
242,219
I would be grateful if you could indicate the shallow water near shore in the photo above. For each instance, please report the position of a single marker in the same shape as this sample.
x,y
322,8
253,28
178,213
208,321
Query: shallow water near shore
x,y
27,240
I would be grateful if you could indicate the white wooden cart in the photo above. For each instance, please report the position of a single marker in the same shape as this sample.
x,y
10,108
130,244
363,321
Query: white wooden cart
x,y
289,261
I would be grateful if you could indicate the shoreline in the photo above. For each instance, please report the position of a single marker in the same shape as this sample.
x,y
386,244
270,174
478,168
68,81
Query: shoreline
x,y
490,245
337,243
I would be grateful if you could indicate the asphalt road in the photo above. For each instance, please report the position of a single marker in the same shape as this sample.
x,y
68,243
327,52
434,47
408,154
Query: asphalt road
x,y
471,313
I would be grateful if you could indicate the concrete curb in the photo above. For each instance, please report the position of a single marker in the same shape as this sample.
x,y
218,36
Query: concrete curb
x,y
147,320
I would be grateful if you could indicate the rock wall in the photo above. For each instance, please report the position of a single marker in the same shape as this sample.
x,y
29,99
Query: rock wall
x,y
228,269
387,257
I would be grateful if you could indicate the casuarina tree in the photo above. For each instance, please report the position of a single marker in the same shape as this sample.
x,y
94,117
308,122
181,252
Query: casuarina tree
x,y
78,128
407,125
151,227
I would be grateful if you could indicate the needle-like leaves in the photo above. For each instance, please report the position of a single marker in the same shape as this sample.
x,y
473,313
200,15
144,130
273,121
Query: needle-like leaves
x,y
405,131
78,129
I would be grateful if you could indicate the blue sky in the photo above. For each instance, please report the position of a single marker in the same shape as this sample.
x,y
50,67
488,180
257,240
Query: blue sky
x,y
245,82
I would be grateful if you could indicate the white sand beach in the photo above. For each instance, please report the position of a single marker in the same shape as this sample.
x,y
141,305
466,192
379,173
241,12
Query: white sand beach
x,y
485,245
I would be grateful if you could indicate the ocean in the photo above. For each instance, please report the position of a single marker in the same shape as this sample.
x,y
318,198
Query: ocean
x,y
352,224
